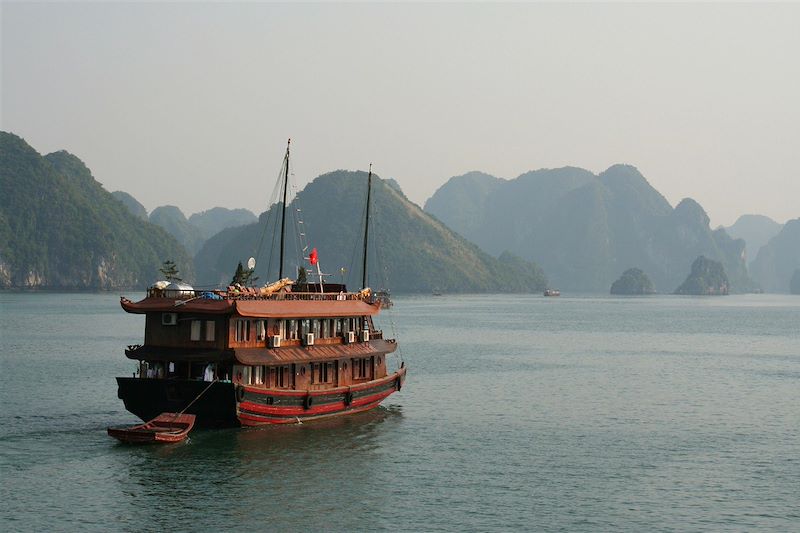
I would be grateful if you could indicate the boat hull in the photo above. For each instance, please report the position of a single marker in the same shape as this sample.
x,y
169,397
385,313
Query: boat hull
x,y
149,397
257,407
229,405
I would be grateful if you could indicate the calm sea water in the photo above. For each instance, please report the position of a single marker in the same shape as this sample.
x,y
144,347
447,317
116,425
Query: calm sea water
x,y
520,412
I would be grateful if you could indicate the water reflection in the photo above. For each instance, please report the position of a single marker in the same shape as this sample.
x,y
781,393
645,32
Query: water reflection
x,y
320,462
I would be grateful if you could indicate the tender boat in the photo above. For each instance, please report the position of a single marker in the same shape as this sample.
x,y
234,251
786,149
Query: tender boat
x,y
552,292
283,353
165,428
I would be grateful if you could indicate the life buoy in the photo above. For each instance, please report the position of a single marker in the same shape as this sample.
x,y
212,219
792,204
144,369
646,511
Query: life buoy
x,y
348,398
398,384
239,394
308,401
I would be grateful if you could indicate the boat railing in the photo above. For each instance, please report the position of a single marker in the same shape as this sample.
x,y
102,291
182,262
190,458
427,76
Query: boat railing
x,y
256,295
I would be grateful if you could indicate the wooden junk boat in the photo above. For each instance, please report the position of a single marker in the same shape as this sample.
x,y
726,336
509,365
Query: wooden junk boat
x,y
245,356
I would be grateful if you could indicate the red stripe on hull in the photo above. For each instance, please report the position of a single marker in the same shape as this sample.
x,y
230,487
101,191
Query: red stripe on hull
x,y
254,420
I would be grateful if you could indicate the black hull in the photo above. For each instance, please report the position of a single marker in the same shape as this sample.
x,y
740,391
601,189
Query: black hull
x,y
148,398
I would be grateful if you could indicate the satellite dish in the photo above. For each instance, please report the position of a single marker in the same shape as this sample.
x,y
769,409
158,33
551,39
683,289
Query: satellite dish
x,y
251,263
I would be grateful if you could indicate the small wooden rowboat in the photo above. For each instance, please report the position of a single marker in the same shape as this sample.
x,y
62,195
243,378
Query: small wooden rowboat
x,y
166,427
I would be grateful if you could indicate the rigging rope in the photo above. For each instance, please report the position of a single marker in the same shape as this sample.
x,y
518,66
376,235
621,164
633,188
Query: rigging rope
x,y
198,396
271,213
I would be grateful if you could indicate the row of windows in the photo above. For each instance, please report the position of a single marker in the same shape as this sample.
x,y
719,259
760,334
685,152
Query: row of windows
x,y
287,329
321,373
279,377
326,328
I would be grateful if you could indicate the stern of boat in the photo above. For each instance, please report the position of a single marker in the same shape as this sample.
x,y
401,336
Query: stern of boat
x,y
149,397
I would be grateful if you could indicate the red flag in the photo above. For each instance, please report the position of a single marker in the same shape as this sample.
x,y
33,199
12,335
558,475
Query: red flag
x,y
312,258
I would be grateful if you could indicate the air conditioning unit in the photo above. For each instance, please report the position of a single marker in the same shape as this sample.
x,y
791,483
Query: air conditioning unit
x,y
274,341
169,319
365,336
349,337
309,339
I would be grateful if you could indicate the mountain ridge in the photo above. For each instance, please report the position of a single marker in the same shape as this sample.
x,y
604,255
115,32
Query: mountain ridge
x,y
411,251
59,229
584,229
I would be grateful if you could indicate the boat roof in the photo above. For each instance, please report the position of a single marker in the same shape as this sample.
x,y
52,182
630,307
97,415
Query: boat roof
x,y
294,305
287,355
264,356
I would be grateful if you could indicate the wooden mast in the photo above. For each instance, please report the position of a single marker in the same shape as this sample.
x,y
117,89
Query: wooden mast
x,y
366,229
283,215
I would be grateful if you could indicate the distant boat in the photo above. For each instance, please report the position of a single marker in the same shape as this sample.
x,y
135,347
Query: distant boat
x,y
436,292
552,292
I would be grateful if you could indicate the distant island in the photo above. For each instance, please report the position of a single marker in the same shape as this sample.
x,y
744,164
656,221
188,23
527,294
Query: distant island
x,y
707,277
584,229
633,281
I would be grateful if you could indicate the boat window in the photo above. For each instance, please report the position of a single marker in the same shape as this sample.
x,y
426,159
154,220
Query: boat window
x,y
326,329
195,330
291,326
337,327
283,377
242,330
210,324
360,368
259,375
315,325
305,327
261,330
323,372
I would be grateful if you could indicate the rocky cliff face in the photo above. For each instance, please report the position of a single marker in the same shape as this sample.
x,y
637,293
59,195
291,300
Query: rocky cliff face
x,y
777,260
707,277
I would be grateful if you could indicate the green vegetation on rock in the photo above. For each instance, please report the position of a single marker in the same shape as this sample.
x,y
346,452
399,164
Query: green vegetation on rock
x,y
59,229
707,277
172,219
410,251
131,203
633,281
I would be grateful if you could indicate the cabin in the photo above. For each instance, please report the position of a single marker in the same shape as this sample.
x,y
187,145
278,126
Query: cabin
x,y
291,341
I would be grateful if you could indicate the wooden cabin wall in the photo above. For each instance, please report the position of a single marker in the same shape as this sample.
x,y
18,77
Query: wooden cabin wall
x,y
305,376
179,335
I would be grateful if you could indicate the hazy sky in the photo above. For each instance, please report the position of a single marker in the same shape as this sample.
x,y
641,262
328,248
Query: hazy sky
x,y
191,104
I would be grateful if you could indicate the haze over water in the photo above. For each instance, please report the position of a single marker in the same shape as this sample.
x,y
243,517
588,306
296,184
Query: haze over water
x,y
583,414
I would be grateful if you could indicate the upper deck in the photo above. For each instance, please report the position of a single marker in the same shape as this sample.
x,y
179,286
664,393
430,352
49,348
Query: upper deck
x,y
253,302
